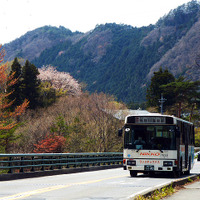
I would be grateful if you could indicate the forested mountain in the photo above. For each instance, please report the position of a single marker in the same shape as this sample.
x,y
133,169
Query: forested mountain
x,y
118,59
34,42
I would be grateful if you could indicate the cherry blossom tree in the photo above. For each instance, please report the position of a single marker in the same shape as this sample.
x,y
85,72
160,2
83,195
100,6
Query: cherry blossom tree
x,y
59,80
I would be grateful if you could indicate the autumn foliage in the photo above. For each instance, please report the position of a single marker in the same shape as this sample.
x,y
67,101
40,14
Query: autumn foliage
x,y
7,117
50,144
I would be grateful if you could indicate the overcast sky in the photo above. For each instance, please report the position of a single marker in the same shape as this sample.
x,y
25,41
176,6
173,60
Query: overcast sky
x,y
20,16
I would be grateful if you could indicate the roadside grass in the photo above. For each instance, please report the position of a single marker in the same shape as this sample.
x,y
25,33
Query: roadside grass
x,y
5,171
189,180
165,191
158,194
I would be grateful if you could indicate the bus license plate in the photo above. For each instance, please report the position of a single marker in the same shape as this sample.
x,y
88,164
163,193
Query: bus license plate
x,y
149,168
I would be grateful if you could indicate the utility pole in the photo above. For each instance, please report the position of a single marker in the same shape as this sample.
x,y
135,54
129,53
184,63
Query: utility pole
x,y
162,100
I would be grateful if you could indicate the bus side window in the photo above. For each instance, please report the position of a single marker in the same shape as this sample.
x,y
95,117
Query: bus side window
x,y
183,133
192,135
180,129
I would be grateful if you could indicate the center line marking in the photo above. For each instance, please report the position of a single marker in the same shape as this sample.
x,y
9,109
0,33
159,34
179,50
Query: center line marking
x,y
52,188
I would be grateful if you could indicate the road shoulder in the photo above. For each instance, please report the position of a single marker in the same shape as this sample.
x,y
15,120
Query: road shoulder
x,y
188,191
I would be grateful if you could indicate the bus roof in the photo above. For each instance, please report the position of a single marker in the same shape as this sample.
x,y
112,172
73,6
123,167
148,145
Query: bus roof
x,y
157,115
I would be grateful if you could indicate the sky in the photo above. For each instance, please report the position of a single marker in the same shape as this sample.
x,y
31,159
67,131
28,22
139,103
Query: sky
x,y
20,16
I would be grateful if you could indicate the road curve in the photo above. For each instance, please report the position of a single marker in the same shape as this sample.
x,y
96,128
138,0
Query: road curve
x,y
105,185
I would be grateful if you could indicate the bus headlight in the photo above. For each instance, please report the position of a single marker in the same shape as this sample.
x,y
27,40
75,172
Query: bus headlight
x,y
131,162
167,163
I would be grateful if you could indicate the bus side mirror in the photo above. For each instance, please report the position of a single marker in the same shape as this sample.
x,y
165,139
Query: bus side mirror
x,y
120,132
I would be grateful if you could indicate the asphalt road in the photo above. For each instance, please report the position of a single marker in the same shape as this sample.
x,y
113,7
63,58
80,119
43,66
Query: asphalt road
x,y
105,185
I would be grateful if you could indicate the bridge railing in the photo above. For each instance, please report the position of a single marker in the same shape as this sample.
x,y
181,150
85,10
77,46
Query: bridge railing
x,y
23,163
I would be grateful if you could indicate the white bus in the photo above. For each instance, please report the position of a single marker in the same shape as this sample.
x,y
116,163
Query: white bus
x,y
158,143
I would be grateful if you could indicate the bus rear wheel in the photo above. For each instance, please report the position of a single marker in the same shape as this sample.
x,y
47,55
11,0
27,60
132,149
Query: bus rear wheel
x,y
189,168
133,173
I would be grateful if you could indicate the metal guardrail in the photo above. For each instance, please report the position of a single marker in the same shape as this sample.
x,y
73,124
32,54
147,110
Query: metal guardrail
x,y
23,163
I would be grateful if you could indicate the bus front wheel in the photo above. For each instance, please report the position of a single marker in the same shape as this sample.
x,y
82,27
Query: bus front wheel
x,y
177,174
133,173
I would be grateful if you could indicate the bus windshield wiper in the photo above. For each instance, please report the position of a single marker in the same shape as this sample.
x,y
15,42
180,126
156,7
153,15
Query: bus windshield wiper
x,y
159,149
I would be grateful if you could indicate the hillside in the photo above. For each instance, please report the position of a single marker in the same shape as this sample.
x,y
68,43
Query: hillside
x,y
107,59
180,59
33,43
118,59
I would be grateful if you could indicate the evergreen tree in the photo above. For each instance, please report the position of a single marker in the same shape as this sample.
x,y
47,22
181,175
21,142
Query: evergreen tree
x,y
30,84
155,90
8,117
16,89
183,92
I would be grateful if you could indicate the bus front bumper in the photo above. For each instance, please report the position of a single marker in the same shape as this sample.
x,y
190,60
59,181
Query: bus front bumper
x,y
150,168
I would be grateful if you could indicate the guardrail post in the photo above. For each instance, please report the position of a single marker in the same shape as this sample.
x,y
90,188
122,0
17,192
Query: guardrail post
x,y
21,165
94,160
99,160
81,160
60,161
74,161
10,165
52,162
88,161
43,167
67,160
32,163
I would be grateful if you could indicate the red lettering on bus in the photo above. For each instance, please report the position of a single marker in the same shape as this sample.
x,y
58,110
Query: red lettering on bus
x,y
149,154
149,162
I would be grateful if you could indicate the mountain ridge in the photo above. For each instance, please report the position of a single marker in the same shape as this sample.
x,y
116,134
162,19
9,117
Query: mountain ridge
x,y
118,59
44,37
191,46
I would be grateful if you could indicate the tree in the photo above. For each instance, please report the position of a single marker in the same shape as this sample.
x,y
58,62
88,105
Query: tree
x,y
56,84
8,139
30,84
7,117
86,121
47,94
155,90
59,80
16,89
197,137
60,127
51,144
183,92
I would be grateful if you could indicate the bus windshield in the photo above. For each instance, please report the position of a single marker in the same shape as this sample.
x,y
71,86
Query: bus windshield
x,y
150,137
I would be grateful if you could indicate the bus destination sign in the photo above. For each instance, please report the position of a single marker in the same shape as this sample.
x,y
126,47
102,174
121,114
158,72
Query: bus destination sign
x,y
150,120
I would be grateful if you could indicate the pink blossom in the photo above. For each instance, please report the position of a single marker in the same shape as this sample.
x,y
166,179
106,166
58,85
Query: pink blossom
x,y
59,80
